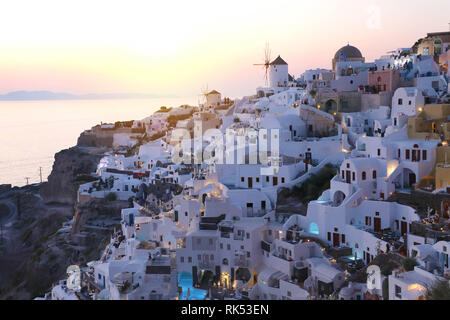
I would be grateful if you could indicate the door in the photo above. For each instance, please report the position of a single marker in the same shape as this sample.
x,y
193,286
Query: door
x,y
250,209
377,224
275,181
404,227
347,176
336,242
250,182
412,179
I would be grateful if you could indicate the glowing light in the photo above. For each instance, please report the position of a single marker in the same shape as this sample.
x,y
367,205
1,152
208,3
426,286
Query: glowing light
x,y
392,165
415,286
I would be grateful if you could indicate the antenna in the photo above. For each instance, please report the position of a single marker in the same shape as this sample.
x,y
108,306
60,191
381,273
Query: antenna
x,y
27,178
266,63
40,173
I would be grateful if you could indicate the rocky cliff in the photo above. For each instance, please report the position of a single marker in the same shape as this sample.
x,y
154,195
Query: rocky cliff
x,y
70,169
38,240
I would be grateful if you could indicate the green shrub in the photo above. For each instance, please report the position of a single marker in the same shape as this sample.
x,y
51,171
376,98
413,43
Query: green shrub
x,y
111,196
439,291
409,264
312,188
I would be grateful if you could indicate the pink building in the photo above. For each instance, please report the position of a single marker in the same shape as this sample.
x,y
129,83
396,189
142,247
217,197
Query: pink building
x,y
384,80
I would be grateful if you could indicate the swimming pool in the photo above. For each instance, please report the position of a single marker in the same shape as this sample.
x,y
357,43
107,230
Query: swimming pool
x,y
185,282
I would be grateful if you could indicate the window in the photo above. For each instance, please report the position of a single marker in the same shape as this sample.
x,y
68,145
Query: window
x,y
242,179
400,101
398,291
364,175
186,214
374,174
247,235
282,179
289,294
257,179
353,176
248,254
424,155
409,102
199,257
190,259
182,259
228,247
407,154
343,238
329,236
343,174
399,153
221,245
368,221
267,178
379,152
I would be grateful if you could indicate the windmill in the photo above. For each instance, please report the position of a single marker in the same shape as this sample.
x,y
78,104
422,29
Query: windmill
x,y
266,64
202,95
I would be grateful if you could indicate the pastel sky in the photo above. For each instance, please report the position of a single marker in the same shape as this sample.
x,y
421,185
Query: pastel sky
x,y
177,47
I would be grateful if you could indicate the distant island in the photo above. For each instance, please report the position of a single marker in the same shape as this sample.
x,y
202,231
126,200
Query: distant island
x,y
49,95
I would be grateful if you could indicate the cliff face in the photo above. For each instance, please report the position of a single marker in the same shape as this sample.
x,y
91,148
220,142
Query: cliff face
x,y
66,176
35,250
96,139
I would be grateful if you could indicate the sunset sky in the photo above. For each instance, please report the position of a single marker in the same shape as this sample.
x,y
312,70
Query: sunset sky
x,y
176,47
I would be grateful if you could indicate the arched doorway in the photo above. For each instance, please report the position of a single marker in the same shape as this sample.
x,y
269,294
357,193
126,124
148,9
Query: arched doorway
x,y
225,280
331,106
409,178
243,274
338,198
314,228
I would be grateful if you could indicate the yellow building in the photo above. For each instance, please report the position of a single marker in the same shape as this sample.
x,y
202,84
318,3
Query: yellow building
x,y
433,43
432,123
442,176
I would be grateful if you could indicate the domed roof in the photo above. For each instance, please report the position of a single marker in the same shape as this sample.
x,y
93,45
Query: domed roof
x,y
350,52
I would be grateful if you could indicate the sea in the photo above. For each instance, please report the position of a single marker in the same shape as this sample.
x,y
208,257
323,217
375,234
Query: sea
x,y
31,132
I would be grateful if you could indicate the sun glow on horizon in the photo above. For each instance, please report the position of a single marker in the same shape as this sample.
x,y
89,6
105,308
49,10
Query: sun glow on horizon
x,y
176,47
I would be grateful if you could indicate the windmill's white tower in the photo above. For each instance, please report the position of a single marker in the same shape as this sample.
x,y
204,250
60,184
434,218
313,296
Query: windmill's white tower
x,y
278,76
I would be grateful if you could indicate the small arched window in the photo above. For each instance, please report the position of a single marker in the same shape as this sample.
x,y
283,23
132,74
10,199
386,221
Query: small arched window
x,y
374,174
364,175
